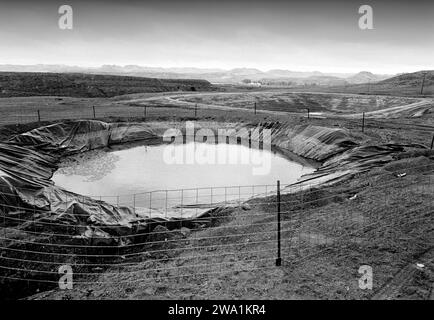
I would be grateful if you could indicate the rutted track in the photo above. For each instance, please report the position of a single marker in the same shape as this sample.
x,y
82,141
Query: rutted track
x,y
416,108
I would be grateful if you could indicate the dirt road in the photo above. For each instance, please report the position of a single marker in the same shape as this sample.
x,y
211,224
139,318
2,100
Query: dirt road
x,y
416,108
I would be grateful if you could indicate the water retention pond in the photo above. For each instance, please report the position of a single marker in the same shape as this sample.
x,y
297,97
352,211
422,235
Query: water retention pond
x,y
166,175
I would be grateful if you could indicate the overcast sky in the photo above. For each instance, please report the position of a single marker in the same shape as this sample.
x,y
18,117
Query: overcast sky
x,y
296,35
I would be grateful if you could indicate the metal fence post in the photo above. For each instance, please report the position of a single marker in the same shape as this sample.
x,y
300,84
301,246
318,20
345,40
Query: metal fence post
x,y
250,138
167,196
423,83
308,113
197,198
432,142
195,110
279,258
4,222
363,122
39,116
182,203
255,107
150,204
94,114
145,111
134,203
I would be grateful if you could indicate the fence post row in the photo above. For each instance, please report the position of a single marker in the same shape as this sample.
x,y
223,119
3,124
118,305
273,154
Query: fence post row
x,y
279,258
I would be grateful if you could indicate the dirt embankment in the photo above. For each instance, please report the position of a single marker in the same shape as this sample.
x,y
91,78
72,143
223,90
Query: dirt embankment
x,y
32,158
87,85
341,154
380,218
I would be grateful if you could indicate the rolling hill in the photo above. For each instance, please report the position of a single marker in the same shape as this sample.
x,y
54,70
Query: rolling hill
x,y
406,84
411,79
214,75
365,77
15,84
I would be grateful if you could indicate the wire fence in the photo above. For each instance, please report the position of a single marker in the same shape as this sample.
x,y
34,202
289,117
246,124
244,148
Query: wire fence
x,y
207,232
254,229
30,114
364,124
367,124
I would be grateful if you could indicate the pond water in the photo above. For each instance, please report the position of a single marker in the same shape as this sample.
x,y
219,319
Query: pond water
x,y
127,176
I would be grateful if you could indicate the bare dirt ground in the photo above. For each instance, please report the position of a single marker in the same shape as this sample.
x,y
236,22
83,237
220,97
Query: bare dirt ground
x,y
377,218
289,102
389,226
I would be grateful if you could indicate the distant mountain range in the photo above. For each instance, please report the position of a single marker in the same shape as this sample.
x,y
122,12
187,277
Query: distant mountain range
x,y
233,76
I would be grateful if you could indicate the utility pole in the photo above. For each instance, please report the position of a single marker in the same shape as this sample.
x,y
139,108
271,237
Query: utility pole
x,y
423,83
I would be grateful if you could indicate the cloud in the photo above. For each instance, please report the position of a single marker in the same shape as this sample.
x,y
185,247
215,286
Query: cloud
x,y
297,35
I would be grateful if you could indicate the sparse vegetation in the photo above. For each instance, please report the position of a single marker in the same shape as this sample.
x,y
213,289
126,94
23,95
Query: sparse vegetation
x,y
398,240
86,85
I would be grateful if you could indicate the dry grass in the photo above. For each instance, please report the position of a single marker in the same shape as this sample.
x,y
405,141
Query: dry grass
x,y
389,228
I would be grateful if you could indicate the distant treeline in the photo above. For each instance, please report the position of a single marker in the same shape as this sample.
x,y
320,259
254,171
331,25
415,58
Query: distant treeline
x,y
16,84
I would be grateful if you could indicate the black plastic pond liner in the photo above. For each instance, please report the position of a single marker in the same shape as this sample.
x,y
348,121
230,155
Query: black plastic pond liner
x,y
28,160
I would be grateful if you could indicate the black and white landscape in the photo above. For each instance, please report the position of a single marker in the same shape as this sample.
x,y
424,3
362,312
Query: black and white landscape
x,y
232,150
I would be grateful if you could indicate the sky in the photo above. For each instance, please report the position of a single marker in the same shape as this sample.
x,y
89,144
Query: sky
x,y
294,35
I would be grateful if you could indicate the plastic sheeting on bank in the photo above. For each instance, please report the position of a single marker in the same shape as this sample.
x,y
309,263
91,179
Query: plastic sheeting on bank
x,y
28,160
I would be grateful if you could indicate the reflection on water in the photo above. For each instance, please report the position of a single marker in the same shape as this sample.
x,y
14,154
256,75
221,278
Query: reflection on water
x,y
115,176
